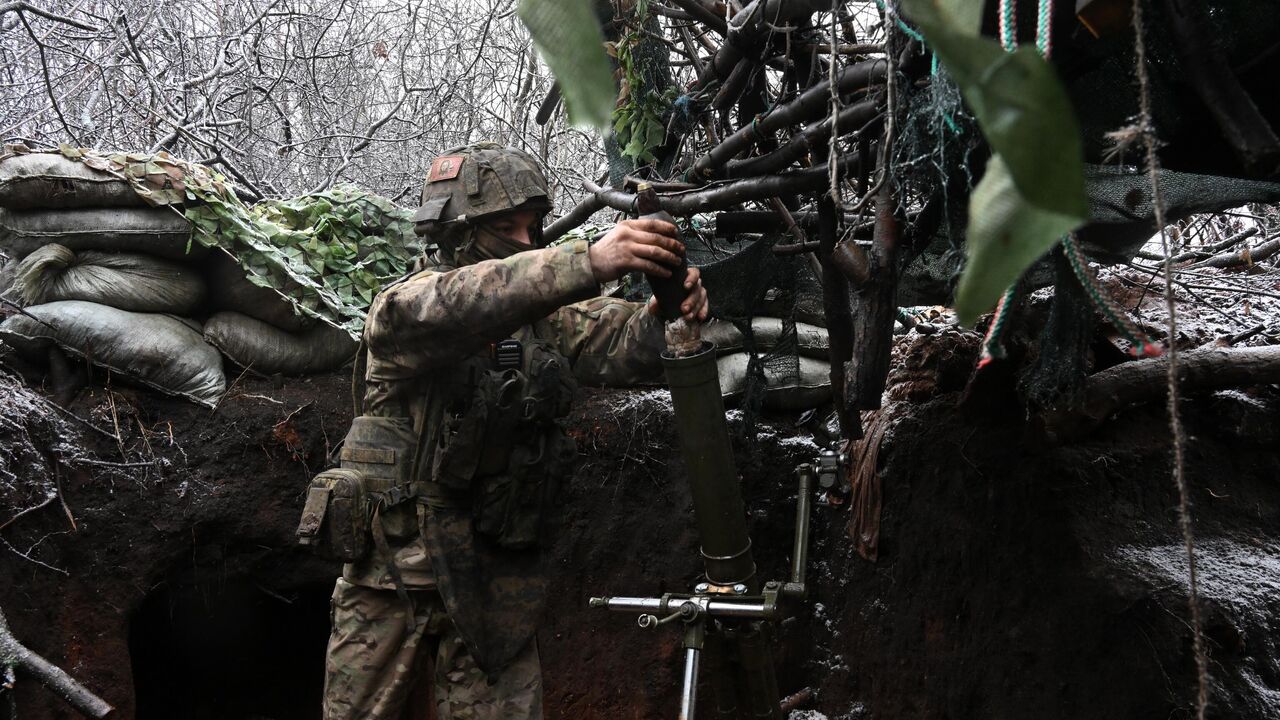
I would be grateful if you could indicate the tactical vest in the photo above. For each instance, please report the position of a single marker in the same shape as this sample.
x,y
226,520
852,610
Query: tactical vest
x,y
489,441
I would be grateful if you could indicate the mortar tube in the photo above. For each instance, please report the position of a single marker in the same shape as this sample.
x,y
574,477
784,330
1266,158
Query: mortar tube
x,y
713,477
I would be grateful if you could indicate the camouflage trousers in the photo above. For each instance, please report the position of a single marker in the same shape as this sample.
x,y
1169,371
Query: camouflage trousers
x,y
379,669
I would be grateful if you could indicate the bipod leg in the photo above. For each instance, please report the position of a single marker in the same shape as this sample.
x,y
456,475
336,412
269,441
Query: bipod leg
x,y
694,637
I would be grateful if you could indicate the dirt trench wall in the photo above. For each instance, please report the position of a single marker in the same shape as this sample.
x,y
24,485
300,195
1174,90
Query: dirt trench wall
x,y
1014,579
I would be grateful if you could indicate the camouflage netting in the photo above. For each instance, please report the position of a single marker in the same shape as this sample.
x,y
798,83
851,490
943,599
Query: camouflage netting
x,y
327,254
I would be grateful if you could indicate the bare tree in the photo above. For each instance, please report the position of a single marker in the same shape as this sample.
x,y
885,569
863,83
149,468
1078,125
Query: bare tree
x,y
284,96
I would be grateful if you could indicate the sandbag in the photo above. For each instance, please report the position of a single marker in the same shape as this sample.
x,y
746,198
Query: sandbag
x,y
160,351
49,181
809,390
811,340
162,232
230,290
127,281
264,348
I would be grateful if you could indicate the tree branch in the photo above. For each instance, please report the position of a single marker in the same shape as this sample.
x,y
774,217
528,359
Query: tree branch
x,y
14,654
20,7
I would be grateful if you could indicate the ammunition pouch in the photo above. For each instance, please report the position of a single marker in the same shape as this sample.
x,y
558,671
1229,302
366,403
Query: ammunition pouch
x,y
499,441
335,519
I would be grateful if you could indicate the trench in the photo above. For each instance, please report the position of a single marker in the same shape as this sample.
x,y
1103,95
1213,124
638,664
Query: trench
x,y
230,649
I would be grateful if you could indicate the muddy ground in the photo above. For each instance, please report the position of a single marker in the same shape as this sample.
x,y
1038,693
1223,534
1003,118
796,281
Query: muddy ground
x,y
1014,579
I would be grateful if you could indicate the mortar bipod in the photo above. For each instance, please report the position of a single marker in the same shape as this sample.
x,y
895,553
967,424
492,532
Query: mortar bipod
x,y
736,626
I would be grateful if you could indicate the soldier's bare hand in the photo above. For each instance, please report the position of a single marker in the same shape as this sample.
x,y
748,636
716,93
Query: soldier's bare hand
x,y
695,306
647,245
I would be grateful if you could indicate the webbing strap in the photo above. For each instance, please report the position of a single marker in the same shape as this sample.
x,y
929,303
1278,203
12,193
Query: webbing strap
x,y
380,540
358,369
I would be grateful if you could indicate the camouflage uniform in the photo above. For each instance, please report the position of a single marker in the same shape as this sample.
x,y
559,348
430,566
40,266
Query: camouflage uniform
x,y
418,333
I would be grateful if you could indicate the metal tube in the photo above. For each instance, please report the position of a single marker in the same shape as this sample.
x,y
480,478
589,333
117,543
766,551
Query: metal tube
x,y
689,698
630,604
713,478
804,502
753,608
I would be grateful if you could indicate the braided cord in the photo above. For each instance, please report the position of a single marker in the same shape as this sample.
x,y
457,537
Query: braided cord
x,y
1044,29
992,347
1140,344
1008,25
993,341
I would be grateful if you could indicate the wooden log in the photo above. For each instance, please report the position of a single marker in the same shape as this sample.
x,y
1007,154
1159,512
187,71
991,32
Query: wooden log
x,y
723,197
809,105
860,117
1200,370
875,307
1207,71
835,307
1248,256
758,222
699,12
572,219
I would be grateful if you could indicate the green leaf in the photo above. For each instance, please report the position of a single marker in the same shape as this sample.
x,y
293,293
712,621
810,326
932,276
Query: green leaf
x,y
1006,234
568,37
1034,191
963,16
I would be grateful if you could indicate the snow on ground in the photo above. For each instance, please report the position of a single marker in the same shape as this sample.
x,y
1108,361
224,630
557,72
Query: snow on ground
x,y
1243,578
1212,303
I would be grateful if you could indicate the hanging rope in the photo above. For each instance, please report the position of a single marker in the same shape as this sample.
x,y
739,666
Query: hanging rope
x,y
1175,420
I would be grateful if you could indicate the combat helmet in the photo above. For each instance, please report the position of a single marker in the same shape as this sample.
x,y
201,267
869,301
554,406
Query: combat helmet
x,y
472,182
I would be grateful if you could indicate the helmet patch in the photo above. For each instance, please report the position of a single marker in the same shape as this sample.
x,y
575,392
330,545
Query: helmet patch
x,y
445,167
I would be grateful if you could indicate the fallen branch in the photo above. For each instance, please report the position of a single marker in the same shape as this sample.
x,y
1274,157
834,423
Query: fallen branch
x,y
1204,251
14,655
1247,256
1202,370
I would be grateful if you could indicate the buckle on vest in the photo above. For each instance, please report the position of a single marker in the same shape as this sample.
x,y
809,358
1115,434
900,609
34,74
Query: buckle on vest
x,y
508,354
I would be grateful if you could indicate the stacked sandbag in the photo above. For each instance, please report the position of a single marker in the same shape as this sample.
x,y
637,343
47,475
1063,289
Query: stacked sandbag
x,y
51,181
266,348
103,276
231,290
811,340
162,232
161,351
259,330
784,390
126,281
80,229
809,389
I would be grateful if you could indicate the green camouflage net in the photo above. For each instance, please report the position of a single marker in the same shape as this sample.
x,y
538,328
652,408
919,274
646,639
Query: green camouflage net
x,y
328,254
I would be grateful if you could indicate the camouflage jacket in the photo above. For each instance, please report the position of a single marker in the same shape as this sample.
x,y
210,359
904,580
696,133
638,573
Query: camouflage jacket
x,y
421,328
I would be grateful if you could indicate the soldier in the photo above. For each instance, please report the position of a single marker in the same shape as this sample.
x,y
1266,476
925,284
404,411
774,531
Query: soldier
x,y
470,365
